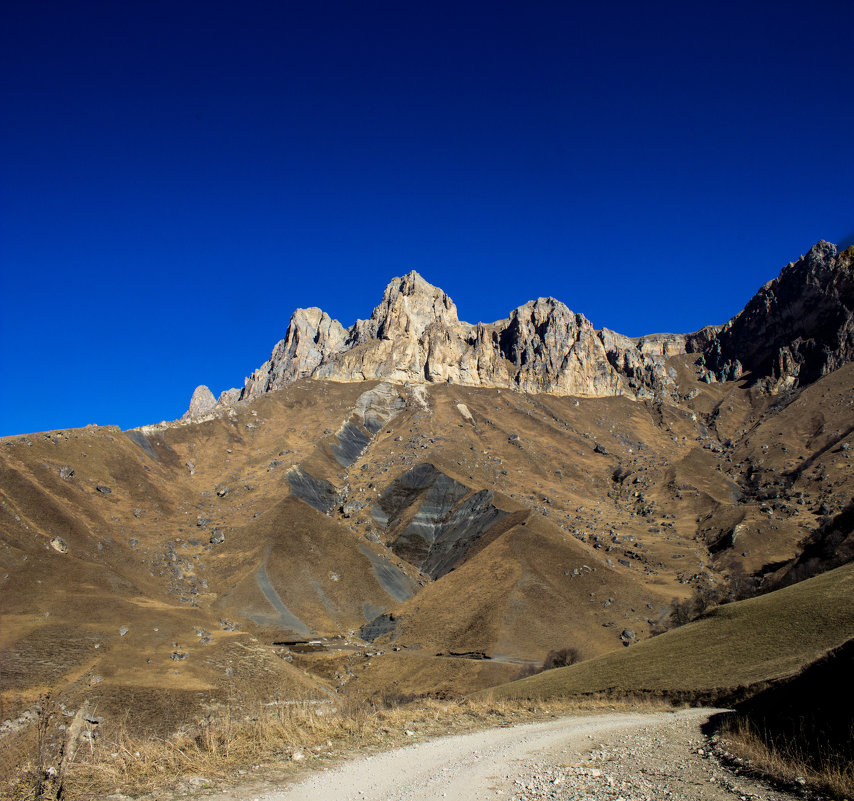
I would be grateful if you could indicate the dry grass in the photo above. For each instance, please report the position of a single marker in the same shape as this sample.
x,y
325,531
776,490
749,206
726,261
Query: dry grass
x,y
707,659
827,772
280,739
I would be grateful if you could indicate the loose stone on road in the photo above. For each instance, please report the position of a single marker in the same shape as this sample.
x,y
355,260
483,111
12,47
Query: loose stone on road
x,y
633,757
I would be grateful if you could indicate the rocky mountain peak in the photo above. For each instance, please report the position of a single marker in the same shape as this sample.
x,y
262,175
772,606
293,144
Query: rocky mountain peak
x,y
797,327
821,253
311,337
547,311
411,284
202,402
409,305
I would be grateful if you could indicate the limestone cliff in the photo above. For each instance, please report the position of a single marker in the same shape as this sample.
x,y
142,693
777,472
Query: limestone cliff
x,y
201,403
311,338
798,327
414,334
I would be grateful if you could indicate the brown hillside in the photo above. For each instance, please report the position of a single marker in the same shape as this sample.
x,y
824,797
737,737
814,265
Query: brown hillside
x,y
550,522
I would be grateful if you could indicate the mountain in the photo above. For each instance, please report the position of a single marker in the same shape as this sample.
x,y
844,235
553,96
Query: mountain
x,y
798,327
787,630
421,505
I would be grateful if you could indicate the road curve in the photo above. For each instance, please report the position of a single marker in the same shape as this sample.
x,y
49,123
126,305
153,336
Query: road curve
x,y
615,755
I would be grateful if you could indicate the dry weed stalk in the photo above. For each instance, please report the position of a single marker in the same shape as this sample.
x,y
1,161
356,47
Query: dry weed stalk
x,y
827,771
284,734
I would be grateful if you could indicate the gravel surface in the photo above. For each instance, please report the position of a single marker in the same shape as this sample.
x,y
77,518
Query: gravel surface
x,y
655,761
616,756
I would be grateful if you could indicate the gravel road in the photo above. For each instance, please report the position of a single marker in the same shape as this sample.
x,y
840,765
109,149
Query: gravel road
x,y
610,757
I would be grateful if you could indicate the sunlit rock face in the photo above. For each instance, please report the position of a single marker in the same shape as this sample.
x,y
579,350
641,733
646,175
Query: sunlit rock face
x,y
201,403
311,338
415,335
797,328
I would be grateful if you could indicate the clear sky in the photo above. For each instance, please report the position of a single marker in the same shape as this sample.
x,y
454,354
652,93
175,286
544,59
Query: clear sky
x,y
178,176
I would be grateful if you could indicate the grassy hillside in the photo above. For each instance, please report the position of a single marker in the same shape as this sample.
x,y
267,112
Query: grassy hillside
x,y
162,568
738,645
802,726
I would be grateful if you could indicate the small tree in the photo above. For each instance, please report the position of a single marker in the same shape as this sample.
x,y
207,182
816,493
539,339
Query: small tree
x,y
741,584
562,658
704,597
681,612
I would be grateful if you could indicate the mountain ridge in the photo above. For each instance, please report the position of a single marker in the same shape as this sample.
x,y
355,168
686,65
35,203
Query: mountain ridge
x,y
435,537
796,328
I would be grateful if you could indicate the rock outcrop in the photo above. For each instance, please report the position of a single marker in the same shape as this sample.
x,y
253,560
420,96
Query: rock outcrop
x,y
311,338
201,403
415,335
432,521
797,328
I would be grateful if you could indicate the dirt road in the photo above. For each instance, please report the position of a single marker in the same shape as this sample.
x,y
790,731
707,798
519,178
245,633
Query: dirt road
x,y
632,757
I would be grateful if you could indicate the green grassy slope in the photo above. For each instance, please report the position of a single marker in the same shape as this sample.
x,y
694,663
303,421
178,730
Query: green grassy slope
x,y
736,646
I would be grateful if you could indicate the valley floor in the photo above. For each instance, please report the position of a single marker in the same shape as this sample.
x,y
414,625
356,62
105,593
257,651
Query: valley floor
x,y
628,756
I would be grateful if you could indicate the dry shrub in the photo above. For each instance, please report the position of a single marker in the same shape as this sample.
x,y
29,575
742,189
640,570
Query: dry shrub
x,y
31,759
213,748
827,771
283,736
562,658
19,764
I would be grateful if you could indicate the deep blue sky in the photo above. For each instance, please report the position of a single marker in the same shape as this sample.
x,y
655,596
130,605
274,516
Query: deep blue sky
x,y
177,177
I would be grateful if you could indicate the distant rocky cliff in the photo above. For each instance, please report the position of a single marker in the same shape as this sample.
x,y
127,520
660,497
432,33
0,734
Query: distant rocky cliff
x,y
414,334
797,327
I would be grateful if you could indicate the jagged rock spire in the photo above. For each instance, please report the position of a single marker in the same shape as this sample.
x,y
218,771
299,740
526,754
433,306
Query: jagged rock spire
x,y
414,334
408,307
798,326
202,402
